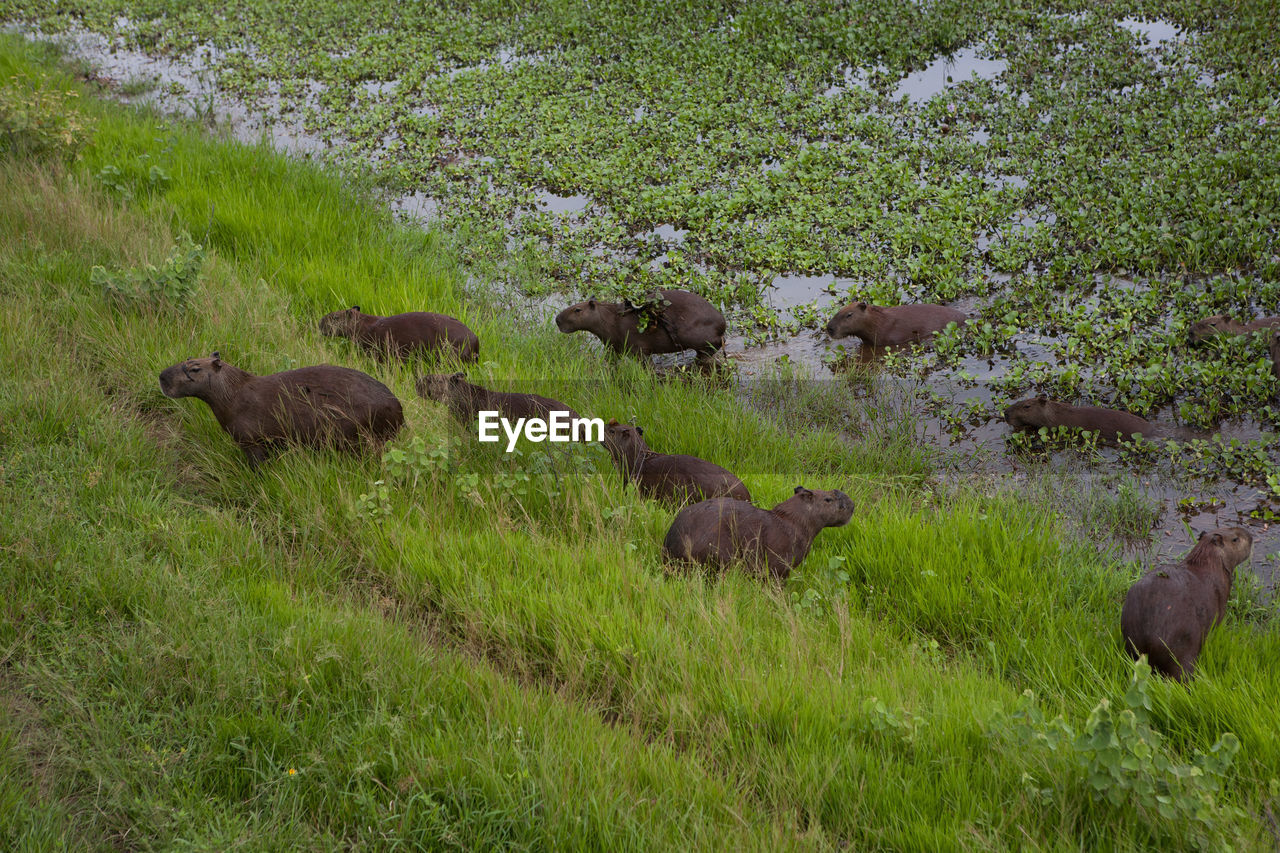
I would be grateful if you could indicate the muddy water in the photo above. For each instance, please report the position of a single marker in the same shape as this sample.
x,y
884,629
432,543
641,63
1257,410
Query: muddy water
x,y
977,451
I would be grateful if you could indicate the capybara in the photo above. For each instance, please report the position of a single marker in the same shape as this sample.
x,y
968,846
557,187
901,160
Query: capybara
x,y
466,400
671,477
1221,324
724,530
1273,347
1168,612
1036,412
685,321
317,406
402,335
882,326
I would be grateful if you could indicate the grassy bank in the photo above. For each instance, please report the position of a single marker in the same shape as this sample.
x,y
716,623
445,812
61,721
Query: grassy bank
x,y
490,652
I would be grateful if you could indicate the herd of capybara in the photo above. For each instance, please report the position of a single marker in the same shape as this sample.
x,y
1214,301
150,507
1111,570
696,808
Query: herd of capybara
x,y
1166,614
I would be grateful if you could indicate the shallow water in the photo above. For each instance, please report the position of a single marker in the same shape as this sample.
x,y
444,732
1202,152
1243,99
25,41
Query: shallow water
x,y
563,204
1152,33
947,71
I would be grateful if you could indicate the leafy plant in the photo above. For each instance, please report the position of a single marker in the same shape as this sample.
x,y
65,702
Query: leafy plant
x,y
1125,764
38,120
374,505
168,286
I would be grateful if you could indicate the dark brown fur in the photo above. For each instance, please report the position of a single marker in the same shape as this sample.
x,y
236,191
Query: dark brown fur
x,y
687,322
324,405
675,478
1221,324
724,530
1168,612
403,335
466,400
893,325
1273,348
1036,412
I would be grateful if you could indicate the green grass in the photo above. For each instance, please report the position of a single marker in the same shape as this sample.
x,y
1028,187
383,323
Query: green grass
x,y
496,656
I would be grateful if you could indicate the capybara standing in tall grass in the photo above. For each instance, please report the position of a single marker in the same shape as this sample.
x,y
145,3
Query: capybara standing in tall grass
x,y
402,335
672,477
724,530
1168,612
884,326
681,321
1110,424
1221,324
318,406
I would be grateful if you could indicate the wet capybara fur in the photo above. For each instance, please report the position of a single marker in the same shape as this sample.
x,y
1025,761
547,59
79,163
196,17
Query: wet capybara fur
x,y
466,400
686,321
1221,324
320,406
722,531
1110,424
1168,612
674,478
882,326
403,335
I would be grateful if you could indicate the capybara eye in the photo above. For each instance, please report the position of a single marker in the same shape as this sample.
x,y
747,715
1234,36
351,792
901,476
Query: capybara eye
x,y
195,370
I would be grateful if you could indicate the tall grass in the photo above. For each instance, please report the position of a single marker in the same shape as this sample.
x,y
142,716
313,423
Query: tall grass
x,y
495,655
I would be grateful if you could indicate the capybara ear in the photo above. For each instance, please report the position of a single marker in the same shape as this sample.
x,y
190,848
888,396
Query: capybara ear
x,y
640,430
1216,540
612,422
1201,536
862,306
458,377
591,303
217,360
355,307
1042,398
803,492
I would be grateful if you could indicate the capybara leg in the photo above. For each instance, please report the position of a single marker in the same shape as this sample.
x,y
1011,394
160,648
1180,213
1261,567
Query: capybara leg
x,y
257,454
1164,662
709,350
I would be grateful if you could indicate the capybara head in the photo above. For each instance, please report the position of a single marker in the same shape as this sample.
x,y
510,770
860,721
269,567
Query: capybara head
x,y
831,508
623,439
191,378
578,317
341,324
1030,413
437,386
1202,330
1234,543
849,320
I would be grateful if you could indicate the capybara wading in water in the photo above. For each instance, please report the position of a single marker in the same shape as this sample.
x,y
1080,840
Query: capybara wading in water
x,y
318,406
401,335
892,325
1036,412
686,321
466,400
675,478
1221,324
1168,612
724,530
